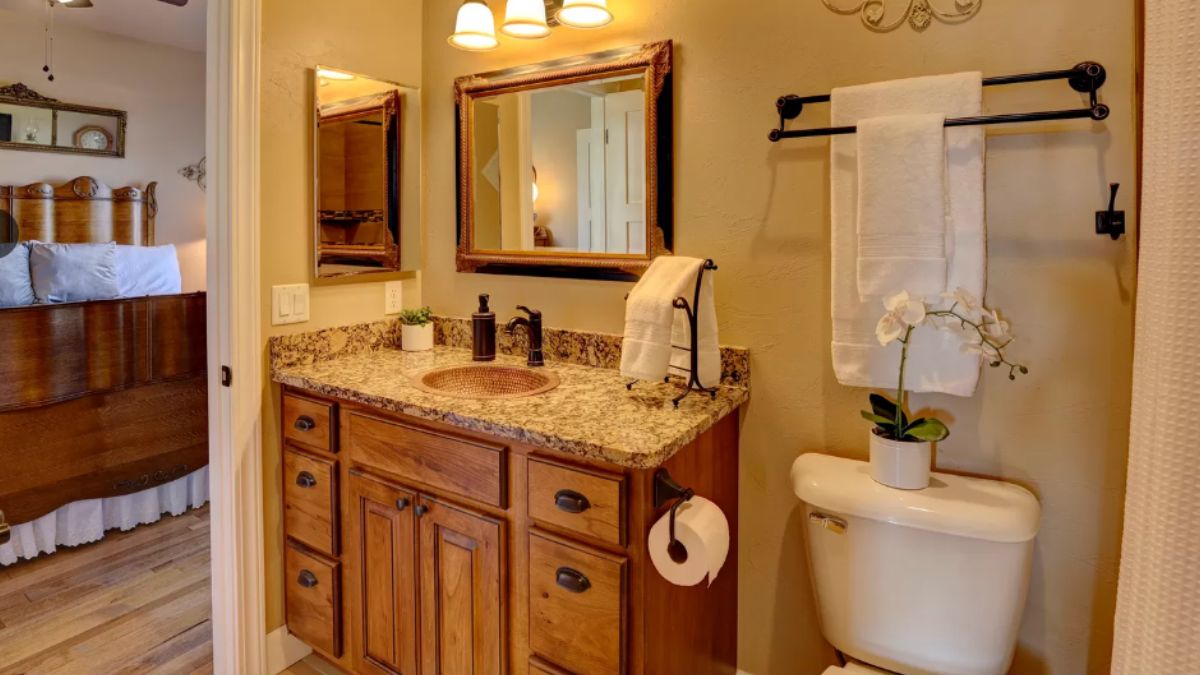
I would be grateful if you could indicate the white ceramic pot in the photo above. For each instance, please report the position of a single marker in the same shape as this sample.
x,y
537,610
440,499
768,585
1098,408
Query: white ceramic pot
x,y
900,464
416,338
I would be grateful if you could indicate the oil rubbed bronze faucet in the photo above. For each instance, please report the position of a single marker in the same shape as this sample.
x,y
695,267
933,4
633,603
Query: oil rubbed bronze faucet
x,y
533,326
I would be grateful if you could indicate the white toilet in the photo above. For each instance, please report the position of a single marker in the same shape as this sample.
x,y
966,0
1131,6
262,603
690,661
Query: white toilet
x,y
923,582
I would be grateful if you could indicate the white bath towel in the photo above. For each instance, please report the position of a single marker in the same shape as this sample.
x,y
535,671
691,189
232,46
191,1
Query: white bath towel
x,y
653,325
935,362
902,205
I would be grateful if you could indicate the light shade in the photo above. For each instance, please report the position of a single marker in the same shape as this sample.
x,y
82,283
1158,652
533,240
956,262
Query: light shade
x,y
525,19
475,29
585,13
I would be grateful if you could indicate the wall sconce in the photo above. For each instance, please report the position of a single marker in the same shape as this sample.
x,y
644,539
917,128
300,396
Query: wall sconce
x,y
475,27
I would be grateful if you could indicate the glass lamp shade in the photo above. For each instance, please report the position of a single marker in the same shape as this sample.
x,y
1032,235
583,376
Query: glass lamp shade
x,y
585,13
525,19
475,29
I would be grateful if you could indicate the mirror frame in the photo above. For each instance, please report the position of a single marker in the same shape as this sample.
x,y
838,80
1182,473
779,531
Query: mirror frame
x,y
387,103
19,94
654,62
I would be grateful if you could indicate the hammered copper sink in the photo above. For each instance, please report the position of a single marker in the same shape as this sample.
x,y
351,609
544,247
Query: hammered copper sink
x,y
489,381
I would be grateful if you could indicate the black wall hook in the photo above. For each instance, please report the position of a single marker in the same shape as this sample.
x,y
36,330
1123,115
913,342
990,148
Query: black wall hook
x,y
1111,222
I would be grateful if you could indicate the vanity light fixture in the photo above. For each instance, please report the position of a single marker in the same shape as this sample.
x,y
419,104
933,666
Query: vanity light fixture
x,y
330,74
585,13
475,28
525,19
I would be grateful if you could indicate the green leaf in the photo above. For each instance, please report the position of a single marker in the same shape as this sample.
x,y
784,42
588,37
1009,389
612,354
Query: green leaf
x,y
885,422
885,408
930,430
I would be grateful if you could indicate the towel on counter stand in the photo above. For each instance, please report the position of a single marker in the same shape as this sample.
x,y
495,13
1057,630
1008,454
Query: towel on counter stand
x,y
657,335
936,363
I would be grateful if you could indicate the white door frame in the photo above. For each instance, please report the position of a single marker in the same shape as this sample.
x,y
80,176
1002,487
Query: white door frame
x,y
234,411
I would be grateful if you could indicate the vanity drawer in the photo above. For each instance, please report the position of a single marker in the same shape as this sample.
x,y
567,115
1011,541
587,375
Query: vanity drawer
x,y
309,422
576,606
310,492
313,597
578,500
455,464
540,667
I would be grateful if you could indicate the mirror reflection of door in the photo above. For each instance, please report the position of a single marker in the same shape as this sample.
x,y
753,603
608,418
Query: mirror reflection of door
x,y
562,168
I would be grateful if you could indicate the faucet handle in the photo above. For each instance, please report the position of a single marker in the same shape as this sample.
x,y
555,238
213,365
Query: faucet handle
x,y
533,313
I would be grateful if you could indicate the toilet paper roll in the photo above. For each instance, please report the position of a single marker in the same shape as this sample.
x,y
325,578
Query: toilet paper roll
x,y
701,527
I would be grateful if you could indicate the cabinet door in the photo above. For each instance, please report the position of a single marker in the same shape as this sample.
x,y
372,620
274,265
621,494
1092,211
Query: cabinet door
x,y
462,609
383,531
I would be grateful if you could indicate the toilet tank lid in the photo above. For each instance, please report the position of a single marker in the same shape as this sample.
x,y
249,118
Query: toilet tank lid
x,y
978,508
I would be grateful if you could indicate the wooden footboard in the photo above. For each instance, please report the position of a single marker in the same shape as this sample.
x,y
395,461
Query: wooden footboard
x,y
99,399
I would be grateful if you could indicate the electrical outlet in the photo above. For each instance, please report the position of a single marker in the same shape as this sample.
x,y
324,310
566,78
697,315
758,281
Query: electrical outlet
x,y
289,304
393,297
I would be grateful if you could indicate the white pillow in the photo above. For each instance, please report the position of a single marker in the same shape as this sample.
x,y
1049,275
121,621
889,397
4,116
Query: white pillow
x,y
148,270
73,272
16,288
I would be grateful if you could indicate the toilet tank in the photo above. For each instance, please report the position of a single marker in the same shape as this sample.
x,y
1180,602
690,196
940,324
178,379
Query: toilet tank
x,y
922,582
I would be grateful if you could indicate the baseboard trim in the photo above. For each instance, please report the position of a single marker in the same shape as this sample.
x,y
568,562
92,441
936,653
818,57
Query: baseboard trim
x,y
284,650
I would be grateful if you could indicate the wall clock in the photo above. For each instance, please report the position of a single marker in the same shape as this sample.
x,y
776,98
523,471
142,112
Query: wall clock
x,y
92,137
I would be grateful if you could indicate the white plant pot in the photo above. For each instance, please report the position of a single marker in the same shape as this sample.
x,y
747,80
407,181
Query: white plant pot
x,y
416,338
900,464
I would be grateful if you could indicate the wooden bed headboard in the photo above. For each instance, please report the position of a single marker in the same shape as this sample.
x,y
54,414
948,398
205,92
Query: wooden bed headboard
x,y
83,210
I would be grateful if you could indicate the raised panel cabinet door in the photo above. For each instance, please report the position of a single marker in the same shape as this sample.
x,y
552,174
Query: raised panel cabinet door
x,y
462,606
384,534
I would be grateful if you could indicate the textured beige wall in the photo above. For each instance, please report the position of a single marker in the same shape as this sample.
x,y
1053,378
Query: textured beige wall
x,y
763,211
378,38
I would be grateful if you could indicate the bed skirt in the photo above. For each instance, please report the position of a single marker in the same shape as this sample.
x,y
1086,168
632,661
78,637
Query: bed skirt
x,y
86,521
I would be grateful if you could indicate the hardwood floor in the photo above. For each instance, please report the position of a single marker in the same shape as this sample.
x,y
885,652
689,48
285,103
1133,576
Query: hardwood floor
x,y
136,603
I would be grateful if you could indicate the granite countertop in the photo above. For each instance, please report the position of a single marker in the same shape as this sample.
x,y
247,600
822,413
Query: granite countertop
x,y
590,414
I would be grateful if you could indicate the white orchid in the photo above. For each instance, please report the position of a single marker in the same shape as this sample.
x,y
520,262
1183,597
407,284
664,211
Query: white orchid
x,y
904,313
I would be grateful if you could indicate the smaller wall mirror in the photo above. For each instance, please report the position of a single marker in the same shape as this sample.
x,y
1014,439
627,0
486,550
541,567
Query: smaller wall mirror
x,y
360,159
30,121
565,167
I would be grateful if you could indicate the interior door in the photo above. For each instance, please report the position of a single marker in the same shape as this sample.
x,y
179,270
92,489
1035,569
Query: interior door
x,y
384,529
625,162
462,607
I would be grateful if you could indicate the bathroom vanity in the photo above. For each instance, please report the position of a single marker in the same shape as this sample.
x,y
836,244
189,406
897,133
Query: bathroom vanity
x,y
429,531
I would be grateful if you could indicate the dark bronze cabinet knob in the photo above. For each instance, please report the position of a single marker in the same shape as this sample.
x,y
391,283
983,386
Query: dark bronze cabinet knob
x,y
572,580
305,423
307,579
421,510
402,503
571,501
306,480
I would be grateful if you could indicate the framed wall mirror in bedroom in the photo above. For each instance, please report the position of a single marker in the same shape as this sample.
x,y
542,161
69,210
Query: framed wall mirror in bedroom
x,y
365,167
30,121
565,167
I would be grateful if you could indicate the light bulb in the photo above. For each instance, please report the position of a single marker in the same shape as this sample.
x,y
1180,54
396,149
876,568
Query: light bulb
x,y
475,29
525,19
585,13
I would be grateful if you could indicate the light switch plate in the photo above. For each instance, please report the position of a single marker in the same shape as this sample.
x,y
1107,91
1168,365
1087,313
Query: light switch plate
x,y
393,297
289,304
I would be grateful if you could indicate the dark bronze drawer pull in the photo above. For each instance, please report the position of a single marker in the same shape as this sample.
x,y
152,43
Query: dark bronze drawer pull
x,y
305,423
402,503
306,480
421,510
307,579
571,501
572,580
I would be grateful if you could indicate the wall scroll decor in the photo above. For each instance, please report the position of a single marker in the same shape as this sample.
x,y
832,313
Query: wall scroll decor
x,y
196,172
876,16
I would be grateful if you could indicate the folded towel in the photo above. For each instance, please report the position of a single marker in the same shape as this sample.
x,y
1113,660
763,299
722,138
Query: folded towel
x,y
902,205
935,362
653,325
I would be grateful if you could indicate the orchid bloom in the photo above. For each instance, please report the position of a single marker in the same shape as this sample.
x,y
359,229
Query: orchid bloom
x,y
903,312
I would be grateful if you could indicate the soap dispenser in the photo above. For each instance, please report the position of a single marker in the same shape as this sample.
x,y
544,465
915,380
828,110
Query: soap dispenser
x,y
483,323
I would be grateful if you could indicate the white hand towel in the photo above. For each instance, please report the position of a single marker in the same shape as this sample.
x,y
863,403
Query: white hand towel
x,y
935,362
902,205
651,320
708,346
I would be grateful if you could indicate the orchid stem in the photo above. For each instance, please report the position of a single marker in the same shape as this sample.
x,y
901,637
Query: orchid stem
x,y
900,385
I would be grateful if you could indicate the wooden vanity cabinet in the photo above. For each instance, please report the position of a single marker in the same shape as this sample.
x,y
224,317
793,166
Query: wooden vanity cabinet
x,y
459,553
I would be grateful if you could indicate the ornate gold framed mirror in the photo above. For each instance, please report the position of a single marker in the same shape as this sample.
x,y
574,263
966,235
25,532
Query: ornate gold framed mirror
x,y
30,121
565,167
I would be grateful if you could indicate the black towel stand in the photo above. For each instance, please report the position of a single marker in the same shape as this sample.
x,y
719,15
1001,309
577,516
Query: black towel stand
x,y
1086,78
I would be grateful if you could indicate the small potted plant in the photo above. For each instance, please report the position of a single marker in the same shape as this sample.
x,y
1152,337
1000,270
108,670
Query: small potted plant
x,y
901,447
416,330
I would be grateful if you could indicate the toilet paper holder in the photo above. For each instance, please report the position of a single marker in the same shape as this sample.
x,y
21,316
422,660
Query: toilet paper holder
x,y
665,490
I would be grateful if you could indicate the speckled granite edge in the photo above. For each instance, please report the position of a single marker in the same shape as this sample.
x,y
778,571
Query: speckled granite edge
x,y
331,343
597,350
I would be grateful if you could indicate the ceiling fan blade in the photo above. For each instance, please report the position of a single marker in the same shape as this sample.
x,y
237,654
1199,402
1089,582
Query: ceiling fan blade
x,y
177,3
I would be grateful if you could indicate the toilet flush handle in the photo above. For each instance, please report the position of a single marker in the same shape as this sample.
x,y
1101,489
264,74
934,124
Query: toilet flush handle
x,y
831,523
